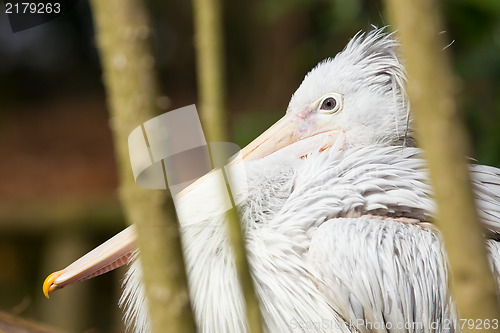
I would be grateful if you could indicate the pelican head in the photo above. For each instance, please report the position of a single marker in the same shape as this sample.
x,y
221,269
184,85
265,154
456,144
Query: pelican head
x,y
355,99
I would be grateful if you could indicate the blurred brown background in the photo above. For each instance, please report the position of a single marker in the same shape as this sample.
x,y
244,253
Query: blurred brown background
x,y
57,173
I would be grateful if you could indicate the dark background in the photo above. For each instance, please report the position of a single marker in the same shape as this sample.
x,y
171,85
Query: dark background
x,y
57,172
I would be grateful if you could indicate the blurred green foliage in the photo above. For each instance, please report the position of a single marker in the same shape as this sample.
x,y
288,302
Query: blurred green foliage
x,y
475,27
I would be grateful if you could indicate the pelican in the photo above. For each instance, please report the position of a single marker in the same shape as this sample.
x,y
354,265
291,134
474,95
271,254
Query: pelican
x,y
337,215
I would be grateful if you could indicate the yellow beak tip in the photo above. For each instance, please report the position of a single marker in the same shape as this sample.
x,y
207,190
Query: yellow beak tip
x,y
48,283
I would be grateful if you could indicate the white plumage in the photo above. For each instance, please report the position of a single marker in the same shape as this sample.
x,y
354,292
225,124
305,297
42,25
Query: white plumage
x,y
339,236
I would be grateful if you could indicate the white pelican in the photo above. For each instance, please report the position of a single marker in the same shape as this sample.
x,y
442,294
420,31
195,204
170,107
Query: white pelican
x,y
337,216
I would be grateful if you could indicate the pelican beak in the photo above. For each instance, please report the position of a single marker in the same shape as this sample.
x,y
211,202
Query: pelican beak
x,y
115,252
295,135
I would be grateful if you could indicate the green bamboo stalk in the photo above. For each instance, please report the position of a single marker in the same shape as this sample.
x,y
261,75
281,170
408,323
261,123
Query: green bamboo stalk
x,y
124,40
210,69
442,137
208,37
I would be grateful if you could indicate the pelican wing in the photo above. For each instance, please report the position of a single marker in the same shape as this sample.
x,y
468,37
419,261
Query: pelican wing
x,y
382,275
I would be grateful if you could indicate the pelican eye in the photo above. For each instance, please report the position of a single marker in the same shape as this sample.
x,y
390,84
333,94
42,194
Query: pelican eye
x,y
331,104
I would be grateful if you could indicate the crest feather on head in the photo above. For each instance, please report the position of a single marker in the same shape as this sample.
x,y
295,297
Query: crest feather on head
x,y
369,70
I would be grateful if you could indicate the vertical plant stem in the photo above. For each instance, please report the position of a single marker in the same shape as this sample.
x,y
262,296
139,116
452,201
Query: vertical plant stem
x,y
124,40
209,60
442,137
208,37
